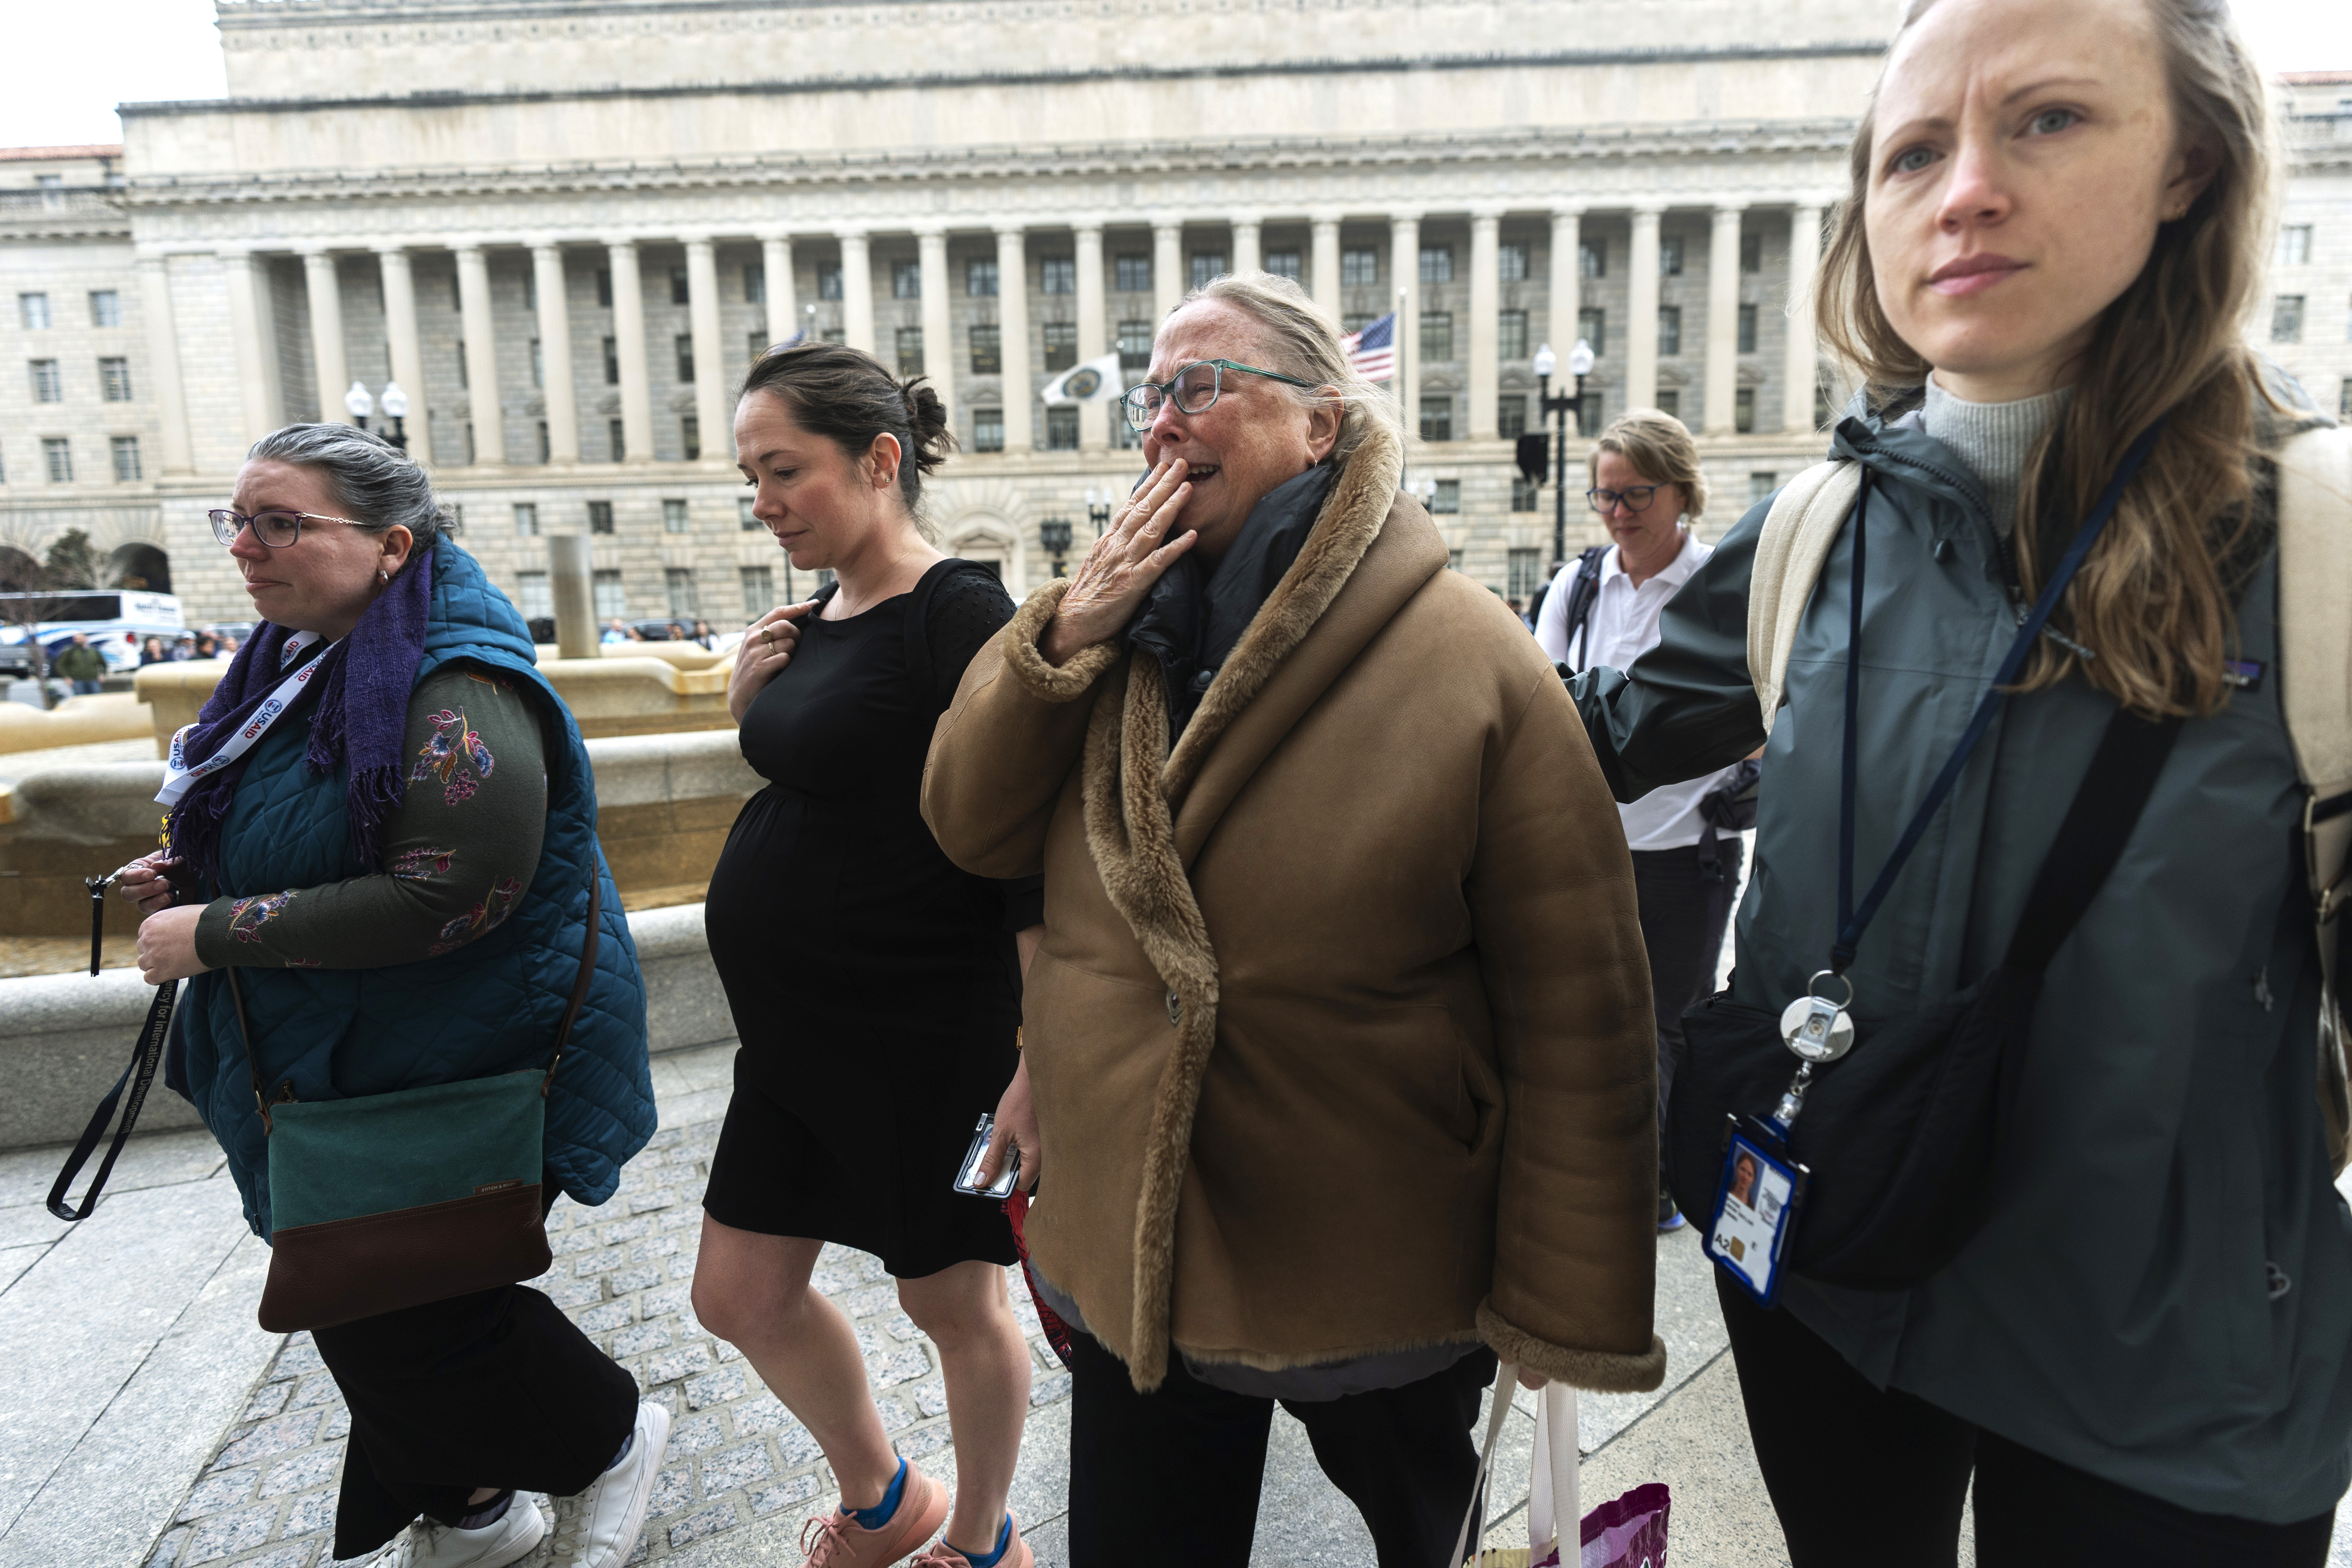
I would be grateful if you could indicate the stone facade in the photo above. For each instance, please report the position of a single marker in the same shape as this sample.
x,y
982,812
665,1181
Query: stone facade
x,y
567,277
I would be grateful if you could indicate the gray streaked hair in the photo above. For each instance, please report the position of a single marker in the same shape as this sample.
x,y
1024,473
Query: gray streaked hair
x,y
1302,339
380,486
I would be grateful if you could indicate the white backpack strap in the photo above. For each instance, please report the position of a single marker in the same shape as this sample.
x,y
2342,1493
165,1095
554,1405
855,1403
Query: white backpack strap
x,y
2315,573
1804,521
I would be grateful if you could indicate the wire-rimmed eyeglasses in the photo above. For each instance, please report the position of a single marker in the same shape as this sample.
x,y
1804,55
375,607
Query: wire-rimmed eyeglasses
x,y
275,526
1637,497
1194,389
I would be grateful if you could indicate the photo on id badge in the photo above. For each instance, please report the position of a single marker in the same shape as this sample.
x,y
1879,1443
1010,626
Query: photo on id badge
x,y
1752,1210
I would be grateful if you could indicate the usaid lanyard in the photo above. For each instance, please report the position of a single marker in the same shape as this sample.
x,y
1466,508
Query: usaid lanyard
x,y
179,778
1761,1188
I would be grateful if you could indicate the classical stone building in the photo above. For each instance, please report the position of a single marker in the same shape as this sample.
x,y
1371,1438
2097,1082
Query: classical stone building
x,y
564,227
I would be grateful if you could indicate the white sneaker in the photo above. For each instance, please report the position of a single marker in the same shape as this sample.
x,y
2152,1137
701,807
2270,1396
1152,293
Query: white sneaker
x,y
507,1539
598,1527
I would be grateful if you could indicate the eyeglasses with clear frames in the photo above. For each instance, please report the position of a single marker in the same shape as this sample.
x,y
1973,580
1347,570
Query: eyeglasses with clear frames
x,y
1637,497
1194,388
276,527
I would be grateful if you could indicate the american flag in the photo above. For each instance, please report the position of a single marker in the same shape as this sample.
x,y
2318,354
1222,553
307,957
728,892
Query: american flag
x,y
1372,351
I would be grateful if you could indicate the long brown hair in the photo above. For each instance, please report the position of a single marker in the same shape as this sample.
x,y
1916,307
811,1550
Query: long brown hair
x,y
2153,599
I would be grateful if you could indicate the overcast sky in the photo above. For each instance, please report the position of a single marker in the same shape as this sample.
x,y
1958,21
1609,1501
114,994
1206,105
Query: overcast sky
x,y
96,53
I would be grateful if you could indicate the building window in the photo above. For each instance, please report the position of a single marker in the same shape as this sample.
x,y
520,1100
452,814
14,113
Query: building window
x,y
1761,487
988,429
126,458
754,345
531,291
683,346
1436,335
1525,573
689,436
1527,494
1589,410
1357,321
2343,400
1134,347
1743,411
1359,267
538,366
1437,264
685,599
1061,346
47,385
1437,419
755,283
612,599
1670,330
987,349
1058,275
1511,335
1454,561
614,434
673,516
59,453
2295,245
612,362
828,279
532,599
1124,438
759,584
1592,326
106,305
1747,329
1592,257
1447,501
463,379
1670,255
1282,264
980,279
1751,253
743,518
1133,274
114,380
1511,263
526,516
546,452
600,517
905,280
835,335
1510,415
1670,402
1061,429
33,310
1821,407
678,292
911,350
2287,320
605,288
1208,266
470,459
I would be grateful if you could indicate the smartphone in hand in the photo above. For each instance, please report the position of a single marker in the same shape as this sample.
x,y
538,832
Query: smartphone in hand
x,y
968,1174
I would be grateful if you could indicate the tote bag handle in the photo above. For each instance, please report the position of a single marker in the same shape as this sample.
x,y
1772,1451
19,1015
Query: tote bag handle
x,y
1552,1509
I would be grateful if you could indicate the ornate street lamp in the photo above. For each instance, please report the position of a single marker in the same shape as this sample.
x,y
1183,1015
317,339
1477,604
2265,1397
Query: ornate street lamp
x,y
395,404
1556,409
1054,534
359,404
1098,505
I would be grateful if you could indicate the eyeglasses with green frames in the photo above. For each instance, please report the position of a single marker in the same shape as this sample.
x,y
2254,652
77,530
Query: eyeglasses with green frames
x,y
1194,389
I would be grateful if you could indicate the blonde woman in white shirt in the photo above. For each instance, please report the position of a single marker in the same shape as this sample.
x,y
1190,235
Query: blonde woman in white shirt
x,y
1647,488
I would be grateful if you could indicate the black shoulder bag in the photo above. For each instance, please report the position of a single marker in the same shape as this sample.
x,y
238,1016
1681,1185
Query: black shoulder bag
x,y
1902,1131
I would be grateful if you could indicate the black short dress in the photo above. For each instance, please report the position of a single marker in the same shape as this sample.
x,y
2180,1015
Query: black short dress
x,y
874,984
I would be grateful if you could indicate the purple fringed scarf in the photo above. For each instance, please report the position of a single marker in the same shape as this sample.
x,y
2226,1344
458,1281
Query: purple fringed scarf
x,y
361,717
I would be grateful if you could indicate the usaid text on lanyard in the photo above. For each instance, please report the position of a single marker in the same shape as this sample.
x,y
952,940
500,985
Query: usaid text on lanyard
x,y
1762,1190
179,778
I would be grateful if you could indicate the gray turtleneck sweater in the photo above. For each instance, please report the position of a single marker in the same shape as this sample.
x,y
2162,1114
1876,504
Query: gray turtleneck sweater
x,y
1993,438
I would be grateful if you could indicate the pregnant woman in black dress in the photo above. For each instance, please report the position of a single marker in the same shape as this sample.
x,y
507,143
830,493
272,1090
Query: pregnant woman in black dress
x,y
874,985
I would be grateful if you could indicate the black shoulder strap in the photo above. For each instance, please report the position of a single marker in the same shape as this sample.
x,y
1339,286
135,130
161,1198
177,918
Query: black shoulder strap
x,y
1584,591
138,1076
2107,808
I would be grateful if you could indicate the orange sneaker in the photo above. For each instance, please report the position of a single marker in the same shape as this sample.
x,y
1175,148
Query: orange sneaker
x,y
1016,1553
837,1539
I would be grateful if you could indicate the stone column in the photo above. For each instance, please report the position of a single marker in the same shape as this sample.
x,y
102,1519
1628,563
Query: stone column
x,y
776,281
481,355
1167,268
571,580
557,393
1093,332
406,354
629,348
164,356
1012,333
1723,318
331,370
1323,265
1244,258
1800,368
712,415
1486,307
856,290
938,332
1404,274
1567,282
1641,309
262,398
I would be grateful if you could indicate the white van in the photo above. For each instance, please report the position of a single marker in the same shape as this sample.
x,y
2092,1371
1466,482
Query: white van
x,y
116,620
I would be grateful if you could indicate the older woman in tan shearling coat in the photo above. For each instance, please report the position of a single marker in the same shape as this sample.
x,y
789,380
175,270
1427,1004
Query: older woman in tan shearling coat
x,y
1340,1035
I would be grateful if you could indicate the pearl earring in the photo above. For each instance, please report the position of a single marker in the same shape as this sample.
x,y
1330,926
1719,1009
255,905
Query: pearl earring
x,y
383,577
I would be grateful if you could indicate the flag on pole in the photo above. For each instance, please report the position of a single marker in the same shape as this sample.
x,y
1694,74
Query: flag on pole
x,y
1096,381
1372,351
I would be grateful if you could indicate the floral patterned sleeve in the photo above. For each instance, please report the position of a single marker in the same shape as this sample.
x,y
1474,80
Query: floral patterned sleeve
x,y
458,852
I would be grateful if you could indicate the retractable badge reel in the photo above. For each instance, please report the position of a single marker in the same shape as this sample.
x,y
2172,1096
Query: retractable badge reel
x,y
1762,1189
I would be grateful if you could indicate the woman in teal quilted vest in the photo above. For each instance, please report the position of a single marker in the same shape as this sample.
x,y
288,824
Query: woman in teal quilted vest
x,y
385,819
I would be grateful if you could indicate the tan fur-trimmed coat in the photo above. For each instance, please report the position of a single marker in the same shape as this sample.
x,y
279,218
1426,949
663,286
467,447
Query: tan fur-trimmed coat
x,y
1341,1035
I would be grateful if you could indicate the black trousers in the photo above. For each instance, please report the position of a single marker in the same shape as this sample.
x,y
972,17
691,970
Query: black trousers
x,y
1866,1478
1171,1478
495,1389
1683,916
